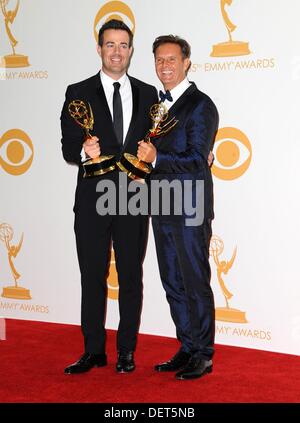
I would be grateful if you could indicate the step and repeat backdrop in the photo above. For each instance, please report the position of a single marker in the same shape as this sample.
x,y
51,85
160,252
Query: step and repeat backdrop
x,y
246,57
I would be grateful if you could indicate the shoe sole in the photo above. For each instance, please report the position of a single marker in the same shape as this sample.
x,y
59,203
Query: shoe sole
x,y
84,371
169,370
125,371
205,372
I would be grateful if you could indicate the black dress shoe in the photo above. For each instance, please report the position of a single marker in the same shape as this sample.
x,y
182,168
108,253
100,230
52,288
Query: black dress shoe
x,y
125,363
196,367
180,359
86,362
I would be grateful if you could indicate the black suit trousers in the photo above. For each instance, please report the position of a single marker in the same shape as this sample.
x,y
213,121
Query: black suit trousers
x,y
94,235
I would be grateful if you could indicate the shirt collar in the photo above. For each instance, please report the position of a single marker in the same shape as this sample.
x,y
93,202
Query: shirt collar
x,y
180,89
107,81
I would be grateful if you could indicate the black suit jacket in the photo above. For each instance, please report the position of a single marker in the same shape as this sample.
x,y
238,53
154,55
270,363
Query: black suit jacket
x,y
91,90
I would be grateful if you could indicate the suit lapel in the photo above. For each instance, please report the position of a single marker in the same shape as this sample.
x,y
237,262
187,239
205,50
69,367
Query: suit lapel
x,y
106,129
182,100
135,107
175,112
102,100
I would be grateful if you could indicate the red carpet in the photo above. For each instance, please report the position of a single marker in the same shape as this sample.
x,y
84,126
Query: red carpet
x,y
34,355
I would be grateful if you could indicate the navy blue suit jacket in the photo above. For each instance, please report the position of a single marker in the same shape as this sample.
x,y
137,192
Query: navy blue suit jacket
x,y
182,153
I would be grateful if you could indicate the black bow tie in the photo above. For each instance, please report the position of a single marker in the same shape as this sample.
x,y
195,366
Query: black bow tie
x,y
166,96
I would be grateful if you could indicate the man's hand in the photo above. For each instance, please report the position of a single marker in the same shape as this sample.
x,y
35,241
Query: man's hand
x,y
210,159
146,152
92,148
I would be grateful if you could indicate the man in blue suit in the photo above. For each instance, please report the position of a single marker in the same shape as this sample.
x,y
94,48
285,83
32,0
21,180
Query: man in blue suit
x,y
182,249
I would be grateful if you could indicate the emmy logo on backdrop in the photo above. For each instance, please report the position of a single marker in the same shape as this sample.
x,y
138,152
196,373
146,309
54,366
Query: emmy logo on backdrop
x,y
84,117
130,164
12,60
230,47
17,292
225,314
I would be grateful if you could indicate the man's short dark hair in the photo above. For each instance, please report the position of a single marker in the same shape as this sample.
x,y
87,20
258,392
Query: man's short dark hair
x,y
114,24
173,39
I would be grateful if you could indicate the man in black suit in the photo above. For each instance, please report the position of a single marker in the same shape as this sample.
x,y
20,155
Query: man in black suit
x,y
182,241
120,106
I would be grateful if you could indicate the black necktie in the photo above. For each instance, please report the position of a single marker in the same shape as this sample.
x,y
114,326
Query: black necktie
x,y
118,113
166,96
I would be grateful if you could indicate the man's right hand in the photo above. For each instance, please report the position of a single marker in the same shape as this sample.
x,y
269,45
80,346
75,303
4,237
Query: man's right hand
x,y
210,159
91,147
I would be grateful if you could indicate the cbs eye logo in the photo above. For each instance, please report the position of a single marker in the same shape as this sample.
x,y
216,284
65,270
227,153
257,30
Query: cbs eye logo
x,y
16,152
114,10
233,154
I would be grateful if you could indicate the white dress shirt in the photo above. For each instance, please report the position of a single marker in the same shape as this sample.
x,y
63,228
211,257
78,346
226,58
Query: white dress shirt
x,y
126,97
177,92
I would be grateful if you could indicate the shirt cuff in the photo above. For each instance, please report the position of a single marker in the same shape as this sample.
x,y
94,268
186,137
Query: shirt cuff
x,y
83,155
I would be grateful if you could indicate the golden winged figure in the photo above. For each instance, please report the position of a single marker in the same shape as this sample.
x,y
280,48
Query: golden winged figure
x,y
229,25
216,248
9,17
223,267
12,251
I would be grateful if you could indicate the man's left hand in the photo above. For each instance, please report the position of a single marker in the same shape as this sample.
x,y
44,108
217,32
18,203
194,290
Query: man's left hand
x,y
146,152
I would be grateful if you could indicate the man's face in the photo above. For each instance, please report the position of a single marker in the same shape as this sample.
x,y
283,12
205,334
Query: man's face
x,y
170,66
115,52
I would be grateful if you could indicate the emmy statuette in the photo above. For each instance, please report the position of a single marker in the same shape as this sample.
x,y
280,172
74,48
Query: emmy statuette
x,y
83,116
11,60
130,164
229,48
15,291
